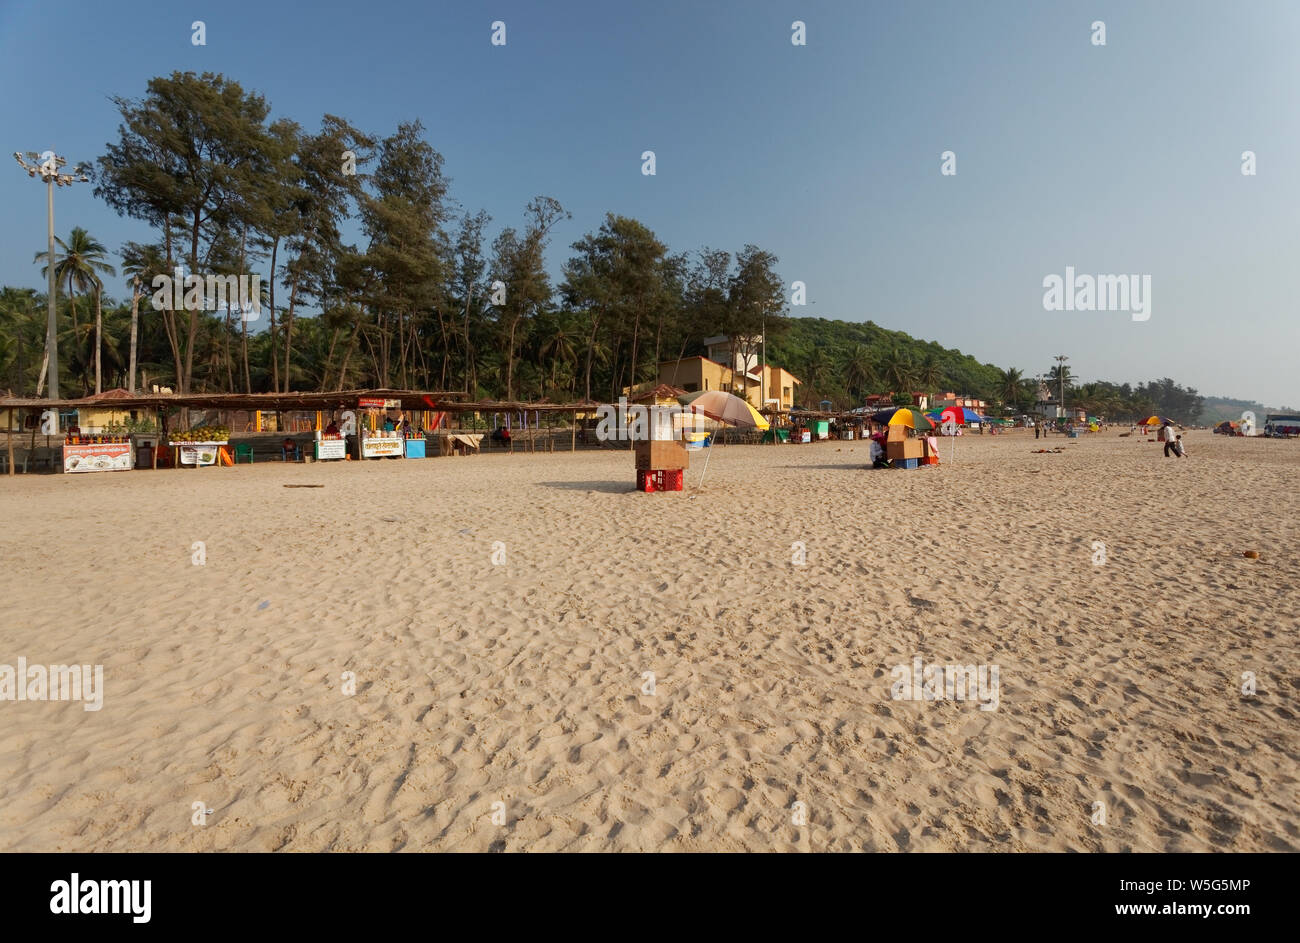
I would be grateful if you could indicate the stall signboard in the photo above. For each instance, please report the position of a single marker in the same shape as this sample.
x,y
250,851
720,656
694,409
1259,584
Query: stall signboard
x,y
105,456
371,402
199,453
331,449
382,448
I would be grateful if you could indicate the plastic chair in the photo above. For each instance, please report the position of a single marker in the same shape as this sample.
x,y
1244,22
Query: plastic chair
x,y
295,450
244,452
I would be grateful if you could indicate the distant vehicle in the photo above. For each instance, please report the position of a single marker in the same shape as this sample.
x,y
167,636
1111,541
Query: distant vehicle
x,y
1279,425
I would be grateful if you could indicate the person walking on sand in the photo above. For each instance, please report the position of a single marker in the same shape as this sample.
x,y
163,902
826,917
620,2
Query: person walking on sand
x,y
1167,437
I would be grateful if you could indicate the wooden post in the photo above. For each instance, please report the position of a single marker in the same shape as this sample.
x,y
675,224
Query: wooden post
x,y
10,436
573,433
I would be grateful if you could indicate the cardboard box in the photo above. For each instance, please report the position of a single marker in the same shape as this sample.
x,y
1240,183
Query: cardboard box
x,y
908,448
656,455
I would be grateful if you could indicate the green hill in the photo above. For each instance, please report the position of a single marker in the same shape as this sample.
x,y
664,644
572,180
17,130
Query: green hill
x,y
820,353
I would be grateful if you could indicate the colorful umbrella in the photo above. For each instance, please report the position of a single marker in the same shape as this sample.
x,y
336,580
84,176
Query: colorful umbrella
x,y
903,416
965,412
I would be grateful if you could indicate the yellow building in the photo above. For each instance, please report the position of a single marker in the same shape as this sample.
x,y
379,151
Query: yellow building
x,y
701,373
96,418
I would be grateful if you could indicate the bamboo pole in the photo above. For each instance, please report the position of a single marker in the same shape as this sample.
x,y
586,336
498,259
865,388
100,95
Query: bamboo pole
x,y
10,437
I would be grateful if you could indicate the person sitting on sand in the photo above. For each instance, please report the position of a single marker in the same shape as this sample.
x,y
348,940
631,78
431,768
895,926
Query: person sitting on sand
x,y
1179,449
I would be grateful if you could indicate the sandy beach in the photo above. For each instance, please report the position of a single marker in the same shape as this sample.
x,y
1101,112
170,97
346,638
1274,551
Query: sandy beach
x,y
500,614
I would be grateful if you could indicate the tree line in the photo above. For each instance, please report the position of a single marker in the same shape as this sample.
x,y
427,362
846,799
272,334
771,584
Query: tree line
x,y
424,299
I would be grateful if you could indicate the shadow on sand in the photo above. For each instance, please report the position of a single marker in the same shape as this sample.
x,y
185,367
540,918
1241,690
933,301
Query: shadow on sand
x,y
866,465
610,487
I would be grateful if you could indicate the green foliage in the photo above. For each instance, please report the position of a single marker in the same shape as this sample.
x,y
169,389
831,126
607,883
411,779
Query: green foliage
x,y
128,426
226,190
844,361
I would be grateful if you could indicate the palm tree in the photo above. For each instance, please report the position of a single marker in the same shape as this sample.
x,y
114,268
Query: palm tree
x,y
82,261
897,370
21,318
1054,376
141,264
556,346
1092,397
816,369
929,374
1010,386
859,369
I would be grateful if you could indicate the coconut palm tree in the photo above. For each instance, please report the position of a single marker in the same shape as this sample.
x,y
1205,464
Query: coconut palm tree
x,y
897,369
140,264
929,374
22,320
1084,396
80,265
1010,386
816,369
859,370
556,345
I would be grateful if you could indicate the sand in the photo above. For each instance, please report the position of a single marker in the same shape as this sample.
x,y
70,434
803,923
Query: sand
x,y
522,681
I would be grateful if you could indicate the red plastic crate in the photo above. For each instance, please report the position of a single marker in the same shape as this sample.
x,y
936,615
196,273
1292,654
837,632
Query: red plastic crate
x,y
659,480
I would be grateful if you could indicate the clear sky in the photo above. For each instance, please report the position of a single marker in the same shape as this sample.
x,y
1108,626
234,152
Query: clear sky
x,y
1115,159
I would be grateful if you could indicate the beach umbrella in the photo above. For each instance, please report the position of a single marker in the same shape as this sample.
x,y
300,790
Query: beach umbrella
x,y
965,412
903,416
725,408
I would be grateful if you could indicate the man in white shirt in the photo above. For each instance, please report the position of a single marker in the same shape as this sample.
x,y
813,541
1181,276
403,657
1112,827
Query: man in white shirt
x,y
1167,437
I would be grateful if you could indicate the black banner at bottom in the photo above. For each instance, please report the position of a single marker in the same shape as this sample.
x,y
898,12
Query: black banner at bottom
x,y
142,892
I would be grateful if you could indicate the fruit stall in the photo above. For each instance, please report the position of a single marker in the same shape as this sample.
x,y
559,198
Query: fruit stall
x,y
199,446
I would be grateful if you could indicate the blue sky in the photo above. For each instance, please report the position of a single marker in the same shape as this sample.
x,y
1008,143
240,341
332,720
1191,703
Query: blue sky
x,y
1122,159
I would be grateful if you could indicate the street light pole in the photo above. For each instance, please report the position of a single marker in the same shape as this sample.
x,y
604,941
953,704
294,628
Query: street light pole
x,y
51,320
48,168
1060,375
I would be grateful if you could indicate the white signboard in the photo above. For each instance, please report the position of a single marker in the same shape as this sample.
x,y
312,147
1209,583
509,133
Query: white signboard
x,y
330,449
382,448
198,455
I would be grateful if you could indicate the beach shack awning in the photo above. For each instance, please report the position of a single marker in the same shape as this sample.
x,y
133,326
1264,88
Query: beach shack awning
x,y
266,402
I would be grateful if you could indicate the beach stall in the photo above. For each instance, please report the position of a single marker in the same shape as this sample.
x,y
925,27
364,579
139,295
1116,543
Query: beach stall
x,y
330,446
96,453
377,431
199,446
